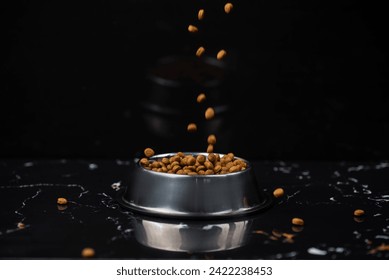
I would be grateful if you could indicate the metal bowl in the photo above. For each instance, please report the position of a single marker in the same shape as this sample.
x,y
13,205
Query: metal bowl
x,y
192,196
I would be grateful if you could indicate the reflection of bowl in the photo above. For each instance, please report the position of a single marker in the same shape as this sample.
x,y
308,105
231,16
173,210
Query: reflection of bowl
x,y
198,196
168,102
192,236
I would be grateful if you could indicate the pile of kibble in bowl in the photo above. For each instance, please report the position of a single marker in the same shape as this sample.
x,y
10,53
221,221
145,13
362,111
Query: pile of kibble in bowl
x,y
188,164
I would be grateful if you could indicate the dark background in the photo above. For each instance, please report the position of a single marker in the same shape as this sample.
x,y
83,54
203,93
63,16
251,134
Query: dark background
x,y
309,78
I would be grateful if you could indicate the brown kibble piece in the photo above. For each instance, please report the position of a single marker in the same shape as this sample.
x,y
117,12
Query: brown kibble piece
x,y
228,8
258,231
217,168
209,172
183,161
209,113
192,127
191,160
144,161
380,248
200,167
88,252
210,148
298,221
221,54
359,212
155,164
192,28
176,168
278,192
234,168
201,98
62,201
200,51
21,225
226,159
200,14
212,157
211,139
201,159
208,165
288,236
149,152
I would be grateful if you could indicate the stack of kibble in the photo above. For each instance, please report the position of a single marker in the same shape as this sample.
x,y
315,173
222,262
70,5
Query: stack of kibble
x,y
188,164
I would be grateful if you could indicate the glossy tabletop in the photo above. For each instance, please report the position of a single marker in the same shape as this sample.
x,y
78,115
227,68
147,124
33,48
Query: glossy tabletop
x,y
324,194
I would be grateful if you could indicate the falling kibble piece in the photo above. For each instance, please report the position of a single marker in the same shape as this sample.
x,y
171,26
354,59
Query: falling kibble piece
x,y
88,252
228,8
62,201
278,192
192,28
221,54
210,149
211,139
21,225
201,97
149,152
298,221
209,113
200,51
359,212
200,14
192,127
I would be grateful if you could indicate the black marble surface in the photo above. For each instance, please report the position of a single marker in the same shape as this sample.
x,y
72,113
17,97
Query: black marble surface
x,y
324,194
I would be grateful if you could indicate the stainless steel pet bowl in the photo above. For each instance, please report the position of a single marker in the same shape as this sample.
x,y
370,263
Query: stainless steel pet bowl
x,y
192,236
192,196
